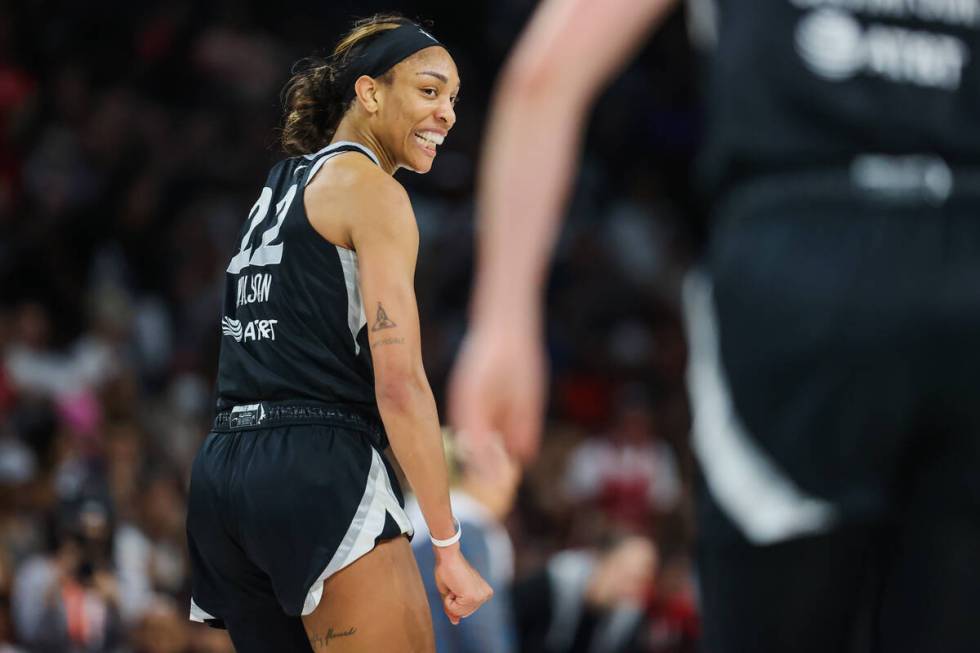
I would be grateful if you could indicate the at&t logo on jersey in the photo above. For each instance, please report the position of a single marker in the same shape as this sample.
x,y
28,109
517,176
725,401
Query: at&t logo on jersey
x,y
837,46
254,330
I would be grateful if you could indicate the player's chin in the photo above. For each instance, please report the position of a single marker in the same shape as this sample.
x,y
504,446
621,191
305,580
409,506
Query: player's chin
x,y
422,165
419,156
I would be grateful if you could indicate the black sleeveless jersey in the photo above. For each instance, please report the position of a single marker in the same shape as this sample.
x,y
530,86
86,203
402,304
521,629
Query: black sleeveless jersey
x,y
293,323
810,84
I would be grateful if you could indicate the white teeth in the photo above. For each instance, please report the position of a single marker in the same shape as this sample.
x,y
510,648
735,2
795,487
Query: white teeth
x,y
432,137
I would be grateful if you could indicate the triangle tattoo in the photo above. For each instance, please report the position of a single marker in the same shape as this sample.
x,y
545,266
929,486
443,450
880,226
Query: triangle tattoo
x,y
382,321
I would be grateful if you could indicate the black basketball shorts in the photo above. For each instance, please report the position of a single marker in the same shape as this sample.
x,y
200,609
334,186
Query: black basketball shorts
x,y
833,373
282,497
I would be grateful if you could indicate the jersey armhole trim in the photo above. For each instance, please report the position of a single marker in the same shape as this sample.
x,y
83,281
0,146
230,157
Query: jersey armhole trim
x,y
331,151
345,144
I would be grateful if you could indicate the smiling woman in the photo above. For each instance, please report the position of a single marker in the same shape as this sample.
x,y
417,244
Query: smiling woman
x,y
296,526
323,91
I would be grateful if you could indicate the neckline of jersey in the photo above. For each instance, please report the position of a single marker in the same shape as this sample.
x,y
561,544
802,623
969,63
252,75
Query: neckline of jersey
x,y
339,144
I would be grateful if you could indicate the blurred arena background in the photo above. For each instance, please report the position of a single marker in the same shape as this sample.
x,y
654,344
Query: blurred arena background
x,y
133,137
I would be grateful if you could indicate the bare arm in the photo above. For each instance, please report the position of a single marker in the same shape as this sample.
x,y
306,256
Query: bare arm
x,y
570,50
568,53
386,240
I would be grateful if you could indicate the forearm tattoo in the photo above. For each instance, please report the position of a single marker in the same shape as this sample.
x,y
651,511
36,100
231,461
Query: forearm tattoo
x,y
382,321
388,341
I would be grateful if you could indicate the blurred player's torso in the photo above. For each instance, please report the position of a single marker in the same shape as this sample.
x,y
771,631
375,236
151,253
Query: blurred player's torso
x,y
293,324
798,85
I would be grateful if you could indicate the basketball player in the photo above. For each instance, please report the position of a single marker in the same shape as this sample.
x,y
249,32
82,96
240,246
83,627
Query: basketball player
x,y
295,524
835,331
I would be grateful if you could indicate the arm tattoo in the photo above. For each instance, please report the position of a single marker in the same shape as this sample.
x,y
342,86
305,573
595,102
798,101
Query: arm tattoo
x,y
388,341
318,640
382,321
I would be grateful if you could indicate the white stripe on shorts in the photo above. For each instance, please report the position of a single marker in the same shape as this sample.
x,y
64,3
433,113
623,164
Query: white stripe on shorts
x,y
379,499
751,489
199,614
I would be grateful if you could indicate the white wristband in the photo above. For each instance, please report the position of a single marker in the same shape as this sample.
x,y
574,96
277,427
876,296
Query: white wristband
x,y
449,541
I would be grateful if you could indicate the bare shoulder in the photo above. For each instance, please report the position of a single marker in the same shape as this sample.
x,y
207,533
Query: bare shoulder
x,y
382,197
350,194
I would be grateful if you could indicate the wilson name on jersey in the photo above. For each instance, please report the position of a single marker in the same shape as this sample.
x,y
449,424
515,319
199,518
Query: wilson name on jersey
x,y
293,323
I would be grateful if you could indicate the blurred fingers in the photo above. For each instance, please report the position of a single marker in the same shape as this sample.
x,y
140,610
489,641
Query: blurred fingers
x,y
523,430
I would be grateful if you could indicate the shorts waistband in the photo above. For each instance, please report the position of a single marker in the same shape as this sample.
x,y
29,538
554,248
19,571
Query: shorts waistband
x,y
871,180
267,414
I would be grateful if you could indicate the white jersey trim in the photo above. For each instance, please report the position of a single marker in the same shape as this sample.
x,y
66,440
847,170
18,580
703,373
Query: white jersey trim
x,y
333,146
356,319
329,155
765,504
369,520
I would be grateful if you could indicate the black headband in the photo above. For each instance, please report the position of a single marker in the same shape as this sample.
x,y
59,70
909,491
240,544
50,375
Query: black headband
x,y
391,47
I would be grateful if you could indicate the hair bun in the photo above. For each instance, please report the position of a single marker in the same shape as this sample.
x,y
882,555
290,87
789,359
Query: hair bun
x,y
313,100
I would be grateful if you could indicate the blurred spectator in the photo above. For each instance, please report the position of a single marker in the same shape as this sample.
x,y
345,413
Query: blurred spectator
x,y
672,621
205,639
180,416
20,534
629,473
588,602
125,458
33,368
149,554
68,601
161,628
482,492
29,366
6,626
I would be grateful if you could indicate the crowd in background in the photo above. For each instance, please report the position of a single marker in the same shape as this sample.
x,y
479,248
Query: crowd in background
x,y
134,138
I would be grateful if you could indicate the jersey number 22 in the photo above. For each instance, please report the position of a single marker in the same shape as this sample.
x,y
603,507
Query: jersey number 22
x,y
265,253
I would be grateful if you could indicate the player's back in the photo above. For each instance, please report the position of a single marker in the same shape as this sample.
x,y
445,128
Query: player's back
x,y
812,85
292,319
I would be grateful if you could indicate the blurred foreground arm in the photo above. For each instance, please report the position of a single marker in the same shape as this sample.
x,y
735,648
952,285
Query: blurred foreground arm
x,y
570,50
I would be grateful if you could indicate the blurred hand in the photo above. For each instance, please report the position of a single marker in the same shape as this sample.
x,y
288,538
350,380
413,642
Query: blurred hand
x,y
497,386
490,474
490,463
463,590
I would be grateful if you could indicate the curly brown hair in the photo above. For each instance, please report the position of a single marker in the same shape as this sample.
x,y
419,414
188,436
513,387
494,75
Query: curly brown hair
x,y
313,102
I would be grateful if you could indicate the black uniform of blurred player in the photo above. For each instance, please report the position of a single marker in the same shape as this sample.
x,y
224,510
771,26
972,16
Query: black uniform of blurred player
x,y
833,391
835,331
